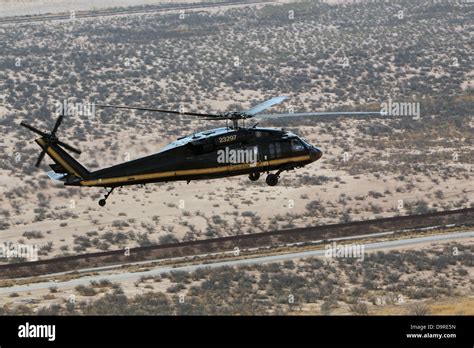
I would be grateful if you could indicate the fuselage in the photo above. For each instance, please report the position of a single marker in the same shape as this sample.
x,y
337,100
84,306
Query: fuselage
x,y
211,154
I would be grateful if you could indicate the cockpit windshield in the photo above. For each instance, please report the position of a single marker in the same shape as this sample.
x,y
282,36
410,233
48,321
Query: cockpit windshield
x,y
296,145
306,144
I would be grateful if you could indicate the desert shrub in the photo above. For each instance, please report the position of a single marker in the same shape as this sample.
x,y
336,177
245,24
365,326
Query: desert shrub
x,y
419,308
168,239
85,291
33,234
359,308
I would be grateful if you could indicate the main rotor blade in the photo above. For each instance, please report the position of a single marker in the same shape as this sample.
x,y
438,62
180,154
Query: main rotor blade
x,y
69,147
328,113
33,129
265,105
57,124
159,110
41,156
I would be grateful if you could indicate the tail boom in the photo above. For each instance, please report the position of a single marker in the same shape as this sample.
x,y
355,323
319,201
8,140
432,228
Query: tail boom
x,y
65,164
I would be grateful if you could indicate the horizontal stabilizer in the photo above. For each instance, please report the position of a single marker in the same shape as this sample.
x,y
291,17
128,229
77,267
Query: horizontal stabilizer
x,y
58,168
57,176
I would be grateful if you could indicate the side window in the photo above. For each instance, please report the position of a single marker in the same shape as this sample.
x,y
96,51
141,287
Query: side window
x,y
296,145
271,148
285,147
278,150
199,148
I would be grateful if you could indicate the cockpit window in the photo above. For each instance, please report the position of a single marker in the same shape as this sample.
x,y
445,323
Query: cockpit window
x,y
308,145
296,145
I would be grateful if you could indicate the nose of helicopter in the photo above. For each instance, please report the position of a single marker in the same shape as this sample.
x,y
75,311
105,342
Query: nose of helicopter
x,y
315,154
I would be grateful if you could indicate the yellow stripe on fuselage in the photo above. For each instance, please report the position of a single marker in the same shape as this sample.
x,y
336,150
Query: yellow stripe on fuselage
x,y
57,157
212,170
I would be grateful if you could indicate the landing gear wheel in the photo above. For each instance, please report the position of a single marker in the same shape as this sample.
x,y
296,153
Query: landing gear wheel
x,y
272,179
104,200
254,176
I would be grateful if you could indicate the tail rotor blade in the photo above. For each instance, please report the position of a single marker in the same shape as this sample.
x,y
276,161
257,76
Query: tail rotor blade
x,y
58,123
40,158
69,147
33,129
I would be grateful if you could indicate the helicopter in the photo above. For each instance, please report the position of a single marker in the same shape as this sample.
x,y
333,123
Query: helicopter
x,y
216,153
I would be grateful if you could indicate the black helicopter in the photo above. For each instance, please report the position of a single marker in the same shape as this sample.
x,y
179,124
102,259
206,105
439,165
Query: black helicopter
x,y
212,154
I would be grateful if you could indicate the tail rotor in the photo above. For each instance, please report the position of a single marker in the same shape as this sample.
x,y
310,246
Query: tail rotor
x,y
49,139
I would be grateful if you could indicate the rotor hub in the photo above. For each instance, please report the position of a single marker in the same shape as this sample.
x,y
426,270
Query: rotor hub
x,y
51,138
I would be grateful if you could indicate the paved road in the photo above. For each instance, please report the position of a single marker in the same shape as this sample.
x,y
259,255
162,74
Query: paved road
x,y
256,260
60,9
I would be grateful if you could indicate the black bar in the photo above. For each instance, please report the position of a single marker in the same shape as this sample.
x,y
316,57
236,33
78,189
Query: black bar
x,y
293,331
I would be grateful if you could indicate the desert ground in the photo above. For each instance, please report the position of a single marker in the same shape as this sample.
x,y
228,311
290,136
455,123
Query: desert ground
x,y
324,56
427,279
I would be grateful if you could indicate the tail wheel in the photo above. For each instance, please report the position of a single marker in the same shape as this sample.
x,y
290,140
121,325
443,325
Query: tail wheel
x,y
272,179
103,201
254,176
